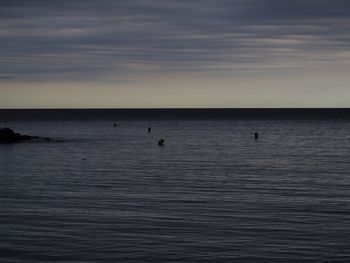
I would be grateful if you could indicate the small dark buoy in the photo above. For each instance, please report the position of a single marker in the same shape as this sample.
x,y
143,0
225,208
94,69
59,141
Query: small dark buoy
x,y
256,136
149,129
161,142
114,125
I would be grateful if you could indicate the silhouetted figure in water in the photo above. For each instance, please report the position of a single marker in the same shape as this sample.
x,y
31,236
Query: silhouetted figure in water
x,y
256,136
149,129
161,142
114,125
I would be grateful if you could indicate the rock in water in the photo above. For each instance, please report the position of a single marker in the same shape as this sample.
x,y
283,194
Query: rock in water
x,y
9,136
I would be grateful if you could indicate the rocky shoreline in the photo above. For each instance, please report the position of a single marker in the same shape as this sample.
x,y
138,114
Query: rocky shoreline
x,y
7,135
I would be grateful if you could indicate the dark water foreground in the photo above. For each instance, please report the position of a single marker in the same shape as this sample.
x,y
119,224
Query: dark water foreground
x,y
211,194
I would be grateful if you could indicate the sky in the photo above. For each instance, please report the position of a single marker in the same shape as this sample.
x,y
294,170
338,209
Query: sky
x,y
174,53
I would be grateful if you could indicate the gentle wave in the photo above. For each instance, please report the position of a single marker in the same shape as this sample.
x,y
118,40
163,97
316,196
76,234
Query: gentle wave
x,y
211,194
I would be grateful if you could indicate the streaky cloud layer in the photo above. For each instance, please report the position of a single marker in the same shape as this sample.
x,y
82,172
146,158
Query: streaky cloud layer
x,y
148,44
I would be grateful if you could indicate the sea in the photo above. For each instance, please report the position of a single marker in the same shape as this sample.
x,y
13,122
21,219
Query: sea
x,y
211,193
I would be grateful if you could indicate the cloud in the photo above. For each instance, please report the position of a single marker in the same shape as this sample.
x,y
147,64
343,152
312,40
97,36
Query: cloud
x,y
6,77
84,39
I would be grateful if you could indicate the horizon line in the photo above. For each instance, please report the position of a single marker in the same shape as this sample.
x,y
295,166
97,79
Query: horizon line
x,y
210,108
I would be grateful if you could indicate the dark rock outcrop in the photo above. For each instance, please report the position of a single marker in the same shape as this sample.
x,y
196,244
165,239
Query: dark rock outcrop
x,y
7,135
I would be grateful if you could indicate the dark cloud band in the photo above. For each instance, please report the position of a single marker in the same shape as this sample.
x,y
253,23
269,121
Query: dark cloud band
x,y
85,38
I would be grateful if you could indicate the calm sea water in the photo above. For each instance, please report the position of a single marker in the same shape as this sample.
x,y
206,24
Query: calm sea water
x,y
211,194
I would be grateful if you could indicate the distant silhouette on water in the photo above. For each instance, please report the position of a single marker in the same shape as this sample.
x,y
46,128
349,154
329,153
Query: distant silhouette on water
x,y
256,136
161,142
114,125
7,135
149,129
